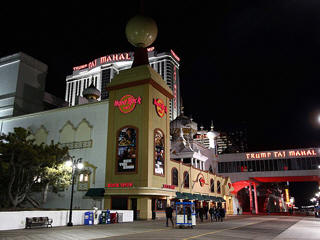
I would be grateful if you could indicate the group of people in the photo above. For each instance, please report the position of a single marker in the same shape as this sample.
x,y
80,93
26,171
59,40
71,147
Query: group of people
x,y
216,213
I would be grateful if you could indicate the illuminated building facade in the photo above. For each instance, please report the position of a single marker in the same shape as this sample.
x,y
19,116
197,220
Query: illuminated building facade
x,y
102,70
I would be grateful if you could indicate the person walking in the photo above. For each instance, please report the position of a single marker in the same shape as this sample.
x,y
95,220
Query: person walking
x,y
205,209
211,212
238,210
222,213
169,211
201,214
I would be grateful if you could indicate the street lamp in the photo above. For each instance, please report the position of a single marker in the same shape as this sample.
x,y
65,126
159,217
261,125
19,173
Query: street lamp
x,y
75,164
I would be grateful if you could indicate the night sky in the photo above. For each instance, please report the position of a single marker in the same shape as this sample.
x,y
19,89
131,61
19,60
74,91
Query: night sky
x,y
242,62
252,63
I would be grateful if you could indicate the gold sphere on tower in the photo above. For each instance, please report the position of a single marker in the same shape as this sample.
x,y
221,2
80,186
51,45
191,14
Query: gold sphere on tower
x,y
141,31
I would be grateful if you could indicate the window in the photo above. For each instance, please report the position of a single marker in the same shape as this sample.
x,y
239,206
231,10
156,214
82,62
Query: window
x,y
159,154
186,179
174,177
83,181
218,187
212,185
127,149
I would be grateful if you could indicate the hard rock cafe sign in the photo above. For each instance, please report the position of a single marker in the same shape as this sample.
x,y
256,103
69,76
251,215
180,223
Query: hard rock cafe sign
x,y
201,180
127,103
161,109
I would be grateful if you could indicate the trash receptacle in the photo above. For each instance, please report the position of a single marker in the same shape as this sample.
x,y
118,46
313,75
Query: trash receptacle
x,y
88,218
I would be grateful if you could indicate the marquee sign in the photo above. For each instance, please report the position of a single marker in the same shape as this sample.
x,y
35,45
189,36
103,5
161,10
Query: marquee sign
x,y
283,154
127,103
119,185
168,186
117,57
161,109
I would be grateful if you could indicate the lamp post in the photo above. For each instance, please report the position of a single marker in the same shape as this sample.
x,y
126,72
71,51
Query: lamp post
x,y
75,164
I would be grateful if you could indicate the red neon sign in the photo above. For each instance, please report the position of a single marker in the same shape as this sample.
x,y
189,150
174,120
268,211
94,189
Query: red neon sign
x,y
168,186
119,185
127,103
282,154
115,58
175,55
175,86
161,109
80,67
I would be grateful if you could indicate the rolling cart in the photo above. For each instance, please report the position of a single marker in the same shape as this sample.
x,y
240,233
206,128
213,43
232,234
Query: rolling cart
x,y
186,216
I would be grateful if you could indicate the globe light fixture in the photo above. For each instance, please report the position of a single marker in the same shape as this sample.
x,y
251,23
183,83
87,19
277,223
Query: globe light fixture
x,y
141,31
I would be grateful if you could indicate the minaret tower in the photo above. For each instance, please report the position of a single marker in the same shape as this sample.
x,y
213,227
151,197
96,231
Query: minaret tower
x,y
138,145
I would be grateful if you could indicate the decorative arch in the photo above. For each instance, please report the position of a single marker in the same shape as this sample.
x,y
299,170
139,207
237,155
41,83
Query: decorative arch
x,y
67,133
186,179
41,135
174,176
83,131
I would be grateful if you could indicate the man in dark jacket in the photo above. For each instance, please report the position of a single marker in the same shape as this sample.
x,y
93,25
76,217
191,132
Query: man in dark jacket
x,y
169,211
201,212
222,213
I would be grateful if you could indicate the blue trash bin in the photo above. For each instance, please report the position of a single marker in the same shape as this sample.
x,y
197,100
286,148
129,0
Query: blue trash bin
x,y
108,217
88,218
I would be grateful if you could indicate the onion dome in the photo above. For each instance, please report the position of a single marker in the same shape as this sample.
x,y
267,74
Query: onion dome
x,y
91,93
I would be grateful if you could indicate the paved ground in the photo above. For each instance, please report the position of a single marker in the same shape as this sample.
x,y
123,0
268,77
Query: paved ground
x,y
234,227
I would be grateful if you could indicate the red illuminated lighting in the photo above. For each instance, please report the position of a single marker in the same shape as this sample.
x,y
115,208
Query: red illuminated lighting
x,y
127,103
119,185
175,55
80,67
160,107
175,86
282,154
115,58
168,186
150,49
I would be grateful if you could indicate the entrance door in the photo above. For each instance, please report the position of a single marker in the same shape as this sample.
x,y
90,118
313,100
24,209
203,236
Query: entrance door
x,y
119,203
134,208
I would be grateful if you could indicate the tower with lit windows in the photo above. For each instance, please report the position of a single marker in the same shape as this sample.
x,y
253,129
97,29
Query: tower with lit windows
x,y
101,71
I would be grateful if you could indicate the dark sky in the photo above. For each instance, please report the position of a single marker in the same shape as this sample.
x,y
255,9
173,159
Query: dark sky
x,y
251,62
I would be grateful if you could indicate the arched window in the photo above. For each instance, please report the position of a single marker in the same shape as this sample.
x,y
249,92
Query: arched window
x,y
212,185
174,177
186,179
218,187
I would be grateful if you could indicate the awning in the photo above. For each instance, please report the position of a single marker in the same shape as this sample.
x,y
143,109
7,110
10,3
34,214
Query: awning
x,y
198,197
220,199
180,195
95,192
189,196
206,197
213,198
